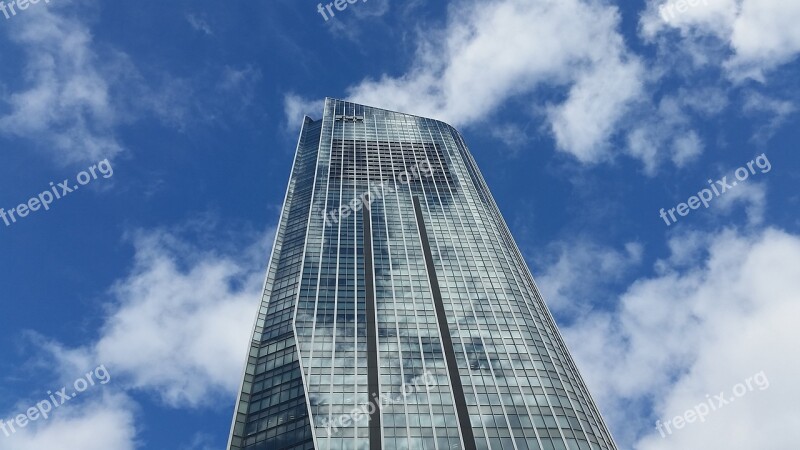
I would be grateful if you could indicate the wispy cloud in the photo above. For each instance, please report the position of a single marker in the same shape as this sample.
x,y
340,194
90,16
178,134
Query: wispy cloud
x,y
199,23
75,94
63,102
777,112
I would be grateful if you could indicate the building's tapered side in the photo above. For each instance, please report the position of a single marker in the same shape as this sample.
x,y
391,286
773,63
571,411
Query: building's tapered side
x,y
398,312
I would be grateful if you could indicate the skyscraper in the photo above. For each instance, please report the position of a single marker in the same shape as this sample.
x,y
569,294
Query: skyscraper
x,y
398,313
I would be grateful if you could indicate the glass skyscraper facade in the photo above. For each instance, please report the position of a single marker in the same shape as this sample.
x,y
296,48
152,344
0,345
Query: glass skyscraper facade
x,y
398,313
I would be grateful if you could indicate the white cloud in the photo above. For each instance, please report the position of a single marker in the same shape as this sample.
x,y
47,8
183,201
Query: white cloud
x,y
492,51
667,131
683,252
72,93
709,16
297,107
686,148
101,417
596,103
752,195
706,101
758,105
201,307
178,326
765,35
643,142
608,265
180,321
63,100
94,425
716,313
761,33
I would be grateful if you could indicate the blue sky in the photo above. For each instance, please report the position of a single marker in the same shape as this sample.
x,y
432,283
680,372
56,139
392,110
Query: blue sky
x,y
586,118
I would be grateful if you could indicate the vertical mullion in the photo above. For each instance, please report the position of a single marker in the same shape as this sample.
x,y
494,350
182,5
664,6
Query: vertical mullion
x,y
444,330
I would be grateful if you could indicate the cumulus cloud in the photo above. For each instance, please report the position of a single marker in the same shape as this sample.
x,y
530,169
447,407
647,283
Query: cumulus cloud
x,y
760,33
178,324
603,99
181,300
297,107
493,51
717,311
764,36
100,417
583,124
93,425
